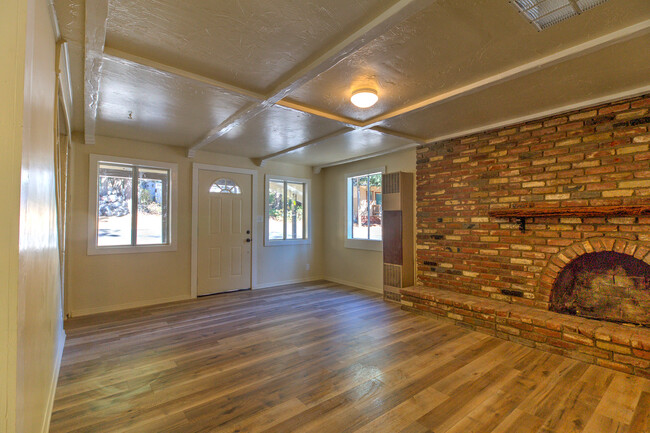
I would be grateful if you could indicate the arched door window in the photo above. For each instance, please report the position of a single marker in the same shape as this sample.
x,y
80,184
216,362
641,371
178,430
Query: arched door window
x,y
225,186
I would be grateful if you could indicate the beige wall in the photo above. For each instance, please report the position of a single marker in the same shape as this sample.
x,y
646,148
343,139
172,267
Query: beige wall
x,y
31,332
108,282
359,268
12,42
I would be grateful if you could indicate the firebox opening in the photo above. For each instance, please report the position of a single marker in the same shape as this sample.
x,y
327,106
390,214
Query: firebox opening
x,y
604,285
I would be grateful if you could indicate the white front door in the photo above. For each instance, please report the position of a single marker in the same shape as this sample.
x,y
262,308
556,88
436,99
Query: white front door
x,y
224,232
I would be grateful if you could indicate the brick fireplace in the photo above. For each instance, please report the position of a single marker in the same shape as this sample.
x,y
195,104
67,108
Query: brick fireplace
x,y
582,180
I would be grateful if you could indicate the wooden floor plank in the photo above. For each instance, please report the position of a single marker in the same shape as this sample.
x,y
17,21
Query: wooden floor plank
x,y
321,357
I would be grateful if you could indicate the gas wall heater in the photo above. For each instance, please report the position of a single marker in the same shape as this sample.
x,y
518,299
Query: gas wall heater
x,y
397,233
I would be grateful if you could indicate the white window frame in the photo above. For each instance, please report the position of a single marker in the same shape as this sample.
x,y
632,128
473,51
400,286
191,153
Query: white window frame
x,y
360,244
93,248
306,218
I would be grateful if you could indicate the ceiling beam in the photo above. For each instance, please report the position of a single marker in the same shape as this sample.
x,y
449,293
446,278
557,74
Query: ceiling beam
x,y
380,24
135,61
575,51
353,42
96,17
386,131
349,122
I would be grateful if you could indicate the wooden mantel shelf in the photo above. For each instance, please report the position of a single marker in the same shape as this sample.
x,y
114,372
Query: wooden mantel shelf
x,y
596,211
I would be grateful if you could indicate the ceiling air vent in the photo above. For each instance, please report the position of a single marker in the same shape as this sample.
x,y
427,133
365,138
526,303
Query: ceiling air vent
x,y
545,13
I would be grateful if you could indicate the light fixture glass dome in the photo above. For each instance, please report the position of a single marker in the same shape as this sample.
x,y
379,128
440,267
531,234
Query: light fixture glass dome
x,y
364,98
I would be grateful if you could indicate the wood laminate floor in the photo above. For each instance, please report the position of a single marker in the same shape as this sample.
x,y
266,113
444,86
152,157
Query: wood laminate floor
x,y
321,357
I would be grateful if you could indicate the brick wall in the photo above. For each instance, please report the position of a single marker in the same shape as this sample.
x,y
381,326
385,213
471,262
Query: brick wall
x,y
592,157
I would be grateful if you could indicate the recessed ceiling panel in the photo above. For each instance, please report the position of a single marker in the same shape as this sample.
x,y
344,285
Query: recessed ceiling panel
x,y
451,44
351,145
247,43
143,104
615,69
273,130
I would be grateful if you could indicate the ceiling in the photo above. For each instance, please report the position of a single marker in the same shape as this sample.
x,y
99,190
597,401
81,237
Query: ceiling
x,y
271,79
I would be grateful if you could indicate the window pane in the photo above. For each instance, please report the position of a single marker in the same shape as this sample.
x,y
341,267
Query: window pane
x,y
295,210
360,207
374,208
225,186
153,187
114,204
276,209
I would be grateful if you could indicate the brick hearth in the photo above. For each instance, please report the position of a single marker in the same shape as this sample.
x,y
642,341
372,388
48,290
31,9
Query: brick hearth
x,y
598,156
610,345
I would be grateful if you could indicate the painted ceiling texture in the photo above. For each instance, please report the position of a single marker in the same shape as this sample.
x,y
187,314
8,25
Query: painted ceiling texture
x,y
272,79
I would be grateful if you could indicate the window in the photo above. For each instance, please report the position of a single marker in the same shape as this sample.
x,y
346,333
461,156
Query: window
x,y
130,205
287,210
363,212
225,186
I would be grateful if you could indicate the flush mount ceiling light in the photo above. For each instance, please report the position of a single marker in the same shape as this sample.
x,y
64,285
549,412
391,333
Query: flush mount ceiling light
x,y
364,98
545,13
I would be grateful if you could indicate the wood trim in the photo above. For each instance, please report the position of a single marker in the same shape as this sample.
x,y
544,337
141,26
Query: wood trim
x,y
55,380
276,284
126,306
91,245
600,211
373,289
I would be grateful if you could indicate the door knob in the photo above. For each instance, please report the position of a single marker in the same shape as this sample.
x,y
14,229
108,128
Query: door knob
x,y
248,239
248,232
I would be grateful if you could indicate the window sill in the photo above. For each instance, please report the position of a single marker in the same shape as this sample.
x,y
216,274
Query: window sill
x,y
285,242
97,251
364,244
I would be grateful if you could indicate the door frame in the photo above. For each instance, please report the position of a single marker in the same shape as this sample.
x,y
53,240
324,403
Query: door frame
x,y
195,220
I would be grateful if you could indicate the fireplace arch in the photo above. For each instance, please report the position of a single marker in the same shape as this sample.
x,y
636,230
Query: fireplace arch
x,y
600,278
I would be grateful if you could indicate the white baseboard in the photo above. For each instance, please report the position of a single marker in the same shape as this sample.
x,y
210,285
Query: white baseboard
x,y
284,283
126,306
55,380
379,290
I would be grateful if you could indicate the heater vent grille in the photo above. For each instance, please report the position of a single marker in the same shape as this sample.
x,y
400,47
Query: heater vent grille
x,y
545,13
390,183
392,275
